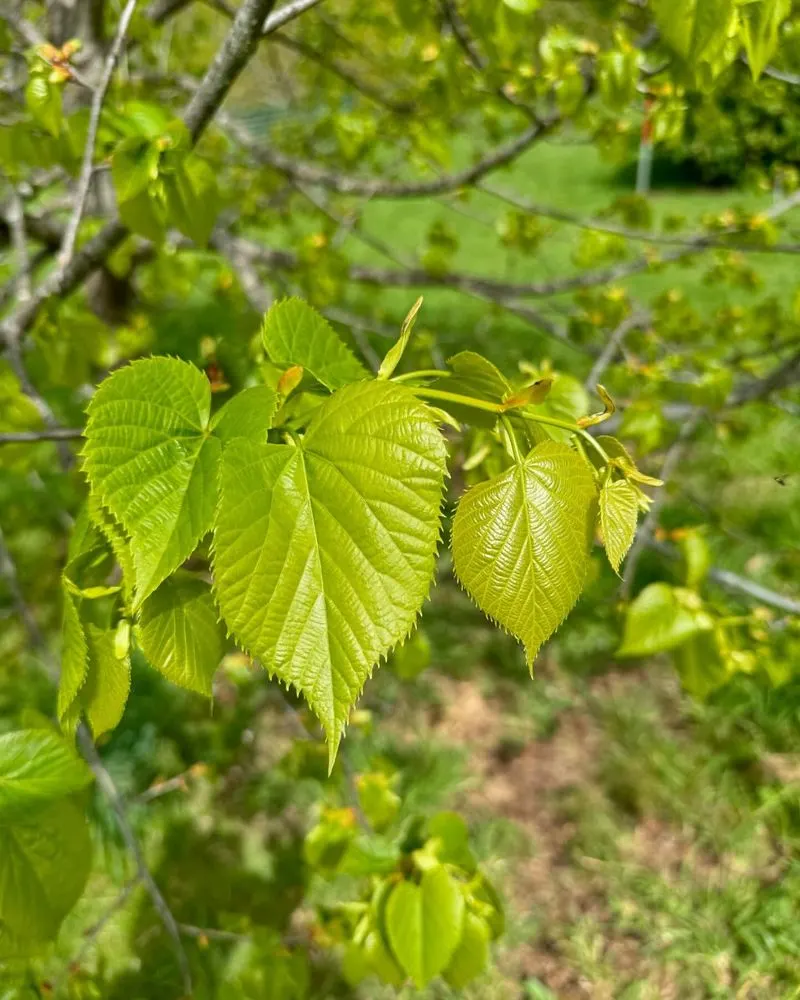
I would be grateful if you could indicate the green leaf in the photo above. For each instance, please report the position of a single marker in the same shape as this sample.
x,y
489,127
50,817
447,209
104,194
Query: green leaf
x,y
103,697
295,334
619,510
43,100
144,214
566,400
697,557
521,542
324,553
381,961
473,375
192,199
523,6
36,766
396,351
424,924
661,618
472,955
74,655
249,414
45,859
134,165
180,634
452,834
759,27
151,462
700,664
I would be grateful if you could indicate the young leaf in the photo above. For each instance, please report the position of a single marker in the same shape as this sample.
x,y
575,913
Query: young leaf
x,y
37,766
192,198
249,414
621,459
472,955
144,214
295,334
396,351
473,375
521,542
134,165
619,509
425,923
324,553
43,100
151,462
105,691
759,27
700,664
661,618
74,655
179,632
45,859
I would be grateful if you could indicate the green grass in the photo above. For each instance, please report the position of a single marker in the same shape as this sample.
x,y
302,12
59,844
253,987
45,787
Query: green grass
x,y
567,174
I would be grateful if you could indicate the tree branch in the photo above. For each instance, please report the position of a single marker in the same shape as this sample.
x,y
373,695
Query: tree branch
x,y
277,19
31,437
106,785
15,216
238,48
785,374
691,241
239,45
309,173
85,176
336,68
613,345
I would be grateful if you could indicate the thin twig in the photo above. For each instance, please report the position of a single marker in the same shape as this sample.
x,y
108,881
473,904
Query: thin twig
x,y
278,18
85,176
31,437
15,215
212,934
613,345
736,583
106,785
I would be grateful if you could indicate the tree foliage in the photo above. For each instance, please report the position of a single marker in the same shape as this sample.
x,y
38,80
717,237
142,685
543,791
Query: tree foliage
x,y
227,440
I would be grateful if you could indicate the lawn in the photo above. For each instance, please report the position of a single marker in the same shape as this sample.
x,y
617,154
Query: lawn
x,y
566,174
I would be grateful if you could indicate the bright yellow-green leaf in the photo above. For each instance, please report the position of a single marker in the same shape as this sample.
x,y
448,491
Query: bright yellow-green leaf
x,y
521,542
396,351
37,766
472,955
180,634
45,859
151,462
425,923
249,414
661,618
619,510
324,552
759,24
295,334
